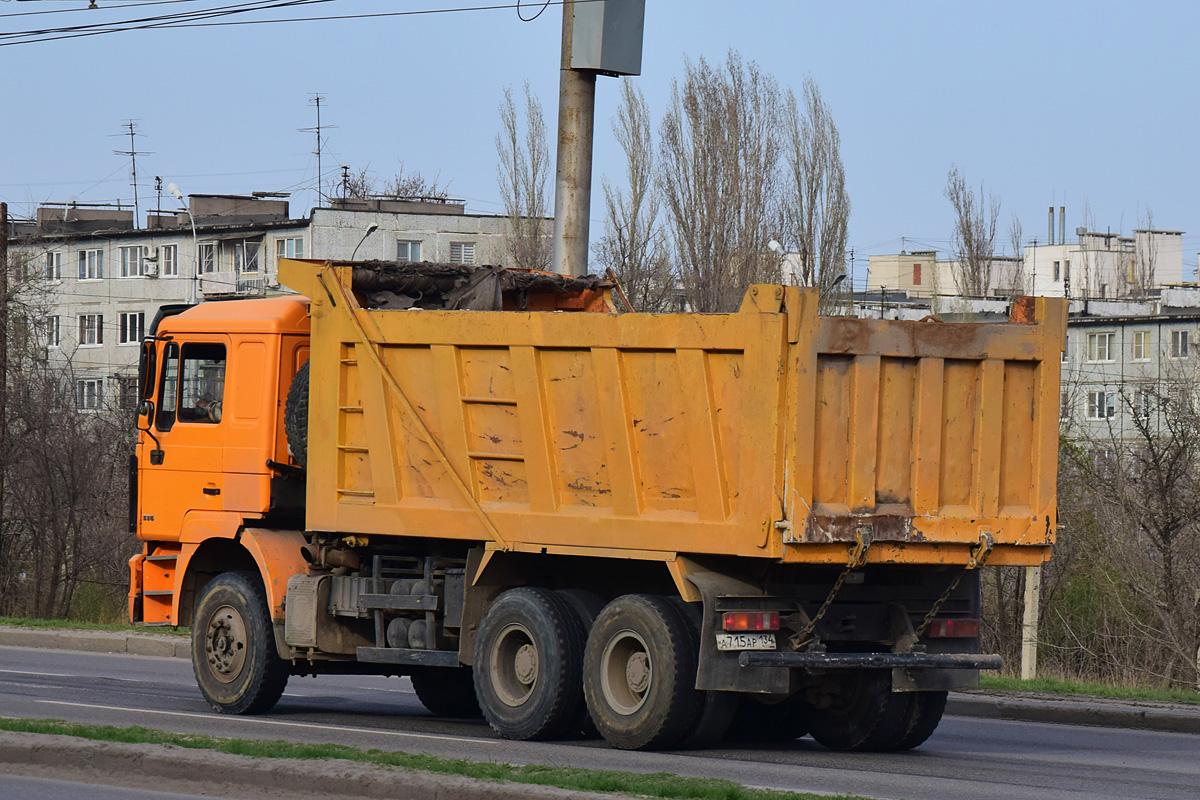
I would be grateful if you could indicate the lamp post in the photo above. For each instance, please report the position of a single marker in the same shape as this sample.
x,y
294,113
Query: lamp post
x,y
173,189
370,229
825,292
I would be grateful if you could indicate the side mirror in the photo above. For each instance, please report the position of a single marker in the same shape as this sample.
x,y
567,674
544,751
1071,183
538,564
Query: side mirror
x,y
146,412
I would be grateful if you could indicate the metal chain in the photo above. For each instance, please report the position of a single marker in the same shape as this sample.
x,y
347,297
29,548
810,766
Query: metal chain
x,y
979,556
858,557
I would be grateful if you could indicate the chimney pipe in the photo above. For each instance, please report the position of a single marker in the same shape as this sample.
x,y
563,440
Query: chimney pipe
x,y
1050,226
1062,224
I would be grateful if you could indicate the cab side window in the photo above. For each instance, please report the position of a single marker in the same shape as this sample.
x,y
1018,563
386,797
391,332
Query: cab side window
x,y
202,385
168,389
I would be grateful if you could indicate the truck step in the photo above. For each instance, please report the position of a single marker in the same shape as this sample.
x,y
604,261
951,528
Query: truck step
x,y
399,655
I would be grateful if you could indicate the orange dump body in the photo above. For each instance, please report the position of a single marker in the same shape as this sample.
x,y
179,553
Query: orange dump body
x,y
771,432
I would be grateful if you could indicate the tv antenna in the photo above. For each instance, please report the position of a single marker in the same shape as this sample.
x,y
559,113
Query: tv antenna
x,y
130,126
316,100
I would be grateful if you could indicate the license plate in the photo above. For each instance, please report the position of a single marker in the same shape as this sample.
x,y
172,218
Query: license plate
x,y
745,641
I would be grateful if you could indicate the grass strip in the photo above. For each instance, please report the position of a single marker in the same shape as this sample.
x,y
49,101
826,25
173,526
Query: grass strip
x,y
68,624
656,784
995,683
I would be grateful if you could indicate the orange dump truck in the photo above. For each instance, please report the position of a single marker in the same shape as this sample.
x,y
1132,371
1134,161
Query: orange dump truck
x,y
672,527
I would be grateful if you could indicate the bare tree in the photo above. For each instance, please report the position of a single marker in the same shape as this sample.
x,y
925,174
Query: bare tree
x,y
363,184
720,149
1143,262
522,173
633,244
816,206
1014,282
973,243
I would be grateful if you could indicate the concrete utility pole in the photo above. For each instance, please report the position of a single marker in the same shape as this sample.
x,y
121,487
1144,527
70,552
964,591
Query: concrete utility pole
x,y
3,354
573,172
1029,626
598,38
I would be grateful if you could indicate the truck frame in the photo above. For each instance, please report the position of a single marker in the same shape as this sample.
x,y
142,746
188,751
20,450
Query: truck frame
x,y
667,528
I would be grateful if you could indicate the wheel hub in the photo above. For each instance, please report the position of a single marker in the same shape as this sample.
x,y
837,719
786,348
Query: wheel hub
x,y
513,664
225,644
626,672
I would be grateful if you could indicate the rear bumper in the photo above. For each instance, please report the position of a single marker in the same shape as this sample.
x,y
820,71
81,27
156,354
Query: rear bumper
x,y
871,660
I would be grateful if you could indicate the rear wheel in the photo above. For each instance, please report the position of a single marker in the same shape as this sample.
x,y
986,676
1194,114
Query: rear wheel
x,y
717,709
924,713
761,718
865,714
528,660
447,692
233,647
639,673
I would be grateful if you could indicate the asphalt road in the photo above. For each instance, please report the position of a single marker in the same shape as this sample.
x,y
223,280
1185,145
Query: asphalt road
x,y
967,758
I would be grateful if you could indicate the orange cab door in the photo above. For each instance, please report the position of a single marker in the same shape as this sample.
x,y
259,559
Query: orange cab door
x,y
186,473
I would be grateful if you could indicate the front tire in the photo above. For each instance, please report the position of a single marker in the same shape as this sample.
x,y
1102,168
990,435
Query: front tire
x,y
528,659
233,647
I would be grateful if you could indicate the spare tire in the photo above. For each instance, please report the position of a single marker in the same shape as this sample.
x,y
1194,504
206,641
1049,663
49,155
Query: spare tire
x,y
295,416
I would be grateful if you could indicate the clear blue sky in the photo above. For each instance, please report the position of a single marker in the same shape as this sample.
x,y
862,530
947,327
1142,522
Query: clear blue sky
x,y
1061,103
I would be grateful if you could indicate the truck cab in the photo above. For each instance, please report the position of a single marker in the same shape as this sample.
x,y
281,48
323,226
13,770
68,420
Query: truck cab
x,y
211,454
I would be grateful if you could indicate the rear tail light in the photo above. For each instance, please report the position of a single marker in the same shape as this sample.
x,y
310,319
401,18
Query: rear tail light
x,y
750,621
953,629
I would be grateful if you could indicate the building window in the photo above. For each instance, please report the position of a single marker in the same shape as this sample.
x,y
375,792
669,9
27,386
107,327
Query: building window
x,y
128,399
408,251
1064,405
916,274
208,256
1141,346
170,259
132,265
245,256
53,330
91,329
1179,399
1179,344
91,265
1101,405
289,248
1057,271
462,252
133,327
53,266
89,394
1100,346
1143,401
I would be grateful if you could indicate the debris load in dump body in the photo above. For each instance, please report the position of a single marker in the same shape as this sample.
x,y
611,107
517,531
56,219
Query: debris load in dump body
x,y
427,285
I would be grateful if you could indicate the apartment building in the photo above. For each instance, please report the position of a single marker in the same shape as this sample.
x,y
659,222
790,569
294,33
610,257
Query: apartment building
x,y
98,280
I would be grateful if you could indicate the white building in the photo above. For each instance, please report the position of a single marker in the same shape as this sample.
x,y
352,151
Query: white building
x,y
100,281
1107,265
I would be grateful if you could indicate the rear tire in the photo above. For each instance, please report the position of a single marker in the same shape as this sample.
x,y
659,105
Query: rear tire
x,y
866,715
758,720
447,692
924,713
295,416
717,709
639,673
233,647
528,660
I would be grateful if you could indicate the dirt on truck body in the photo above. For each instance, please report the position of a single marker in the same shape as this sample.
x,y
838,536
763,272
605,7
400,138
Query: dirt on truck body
x,y
673,527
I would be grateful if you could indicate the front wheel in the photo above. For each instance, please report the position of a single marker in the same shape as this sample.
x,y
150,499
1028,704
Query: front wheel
x,y
233,647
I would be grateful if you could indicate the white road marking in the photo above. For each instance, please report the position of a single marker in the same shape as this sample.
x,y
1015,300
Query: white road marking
x,y
257,721
42,674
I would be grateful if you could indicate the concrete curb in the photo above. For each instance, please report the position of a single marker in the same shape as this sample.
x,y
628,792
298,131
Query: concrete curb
x,y
139,644
181,769
1059,710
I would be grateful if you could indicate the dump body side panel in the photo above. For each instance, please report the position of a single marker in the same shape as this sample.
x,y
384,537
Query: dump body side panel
x,y
771,432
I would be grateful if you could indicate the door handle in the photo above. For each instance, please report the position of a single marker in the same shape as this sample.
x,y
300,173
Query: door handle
x,y
211,490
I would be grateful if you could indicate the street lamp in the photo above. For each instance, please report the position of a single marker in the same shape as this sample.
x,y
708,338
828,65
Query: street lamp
x,y
370,229
826,291
173,189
